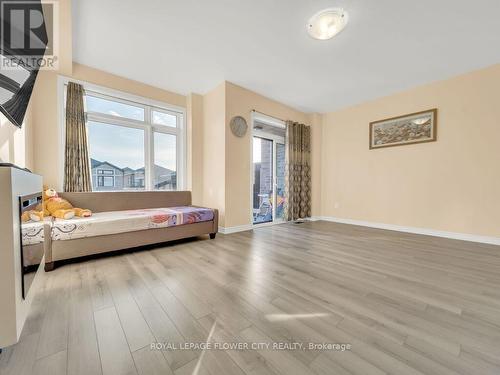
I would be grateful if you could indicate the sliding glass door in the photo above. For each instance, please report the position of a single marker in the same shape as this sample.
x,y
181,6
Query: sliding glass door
x,y
280,181
263,180
268,191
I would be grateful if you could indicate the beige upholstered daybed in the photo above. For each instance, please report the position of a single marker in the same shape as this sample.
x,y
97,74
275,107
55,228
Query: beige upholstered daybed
x,y
123,220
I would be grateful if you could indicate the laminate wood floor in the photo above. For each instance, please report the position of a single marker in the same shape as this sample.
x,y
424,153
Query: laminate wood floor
x,y
406,304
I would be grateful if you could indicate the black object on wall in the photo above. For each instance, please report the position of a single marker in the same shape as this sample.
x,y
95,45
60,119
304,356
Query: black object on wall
x,y
23,44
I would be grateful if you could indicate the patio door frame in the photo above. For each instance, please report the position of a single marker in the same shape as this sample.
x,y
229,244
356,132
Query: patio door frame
x,y
276,139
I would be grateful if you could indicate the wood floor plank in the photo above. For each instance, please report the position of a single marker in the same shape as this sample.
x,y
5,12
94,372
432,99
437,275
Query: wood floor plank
x,y
116,358
282,361
22,356
151,362
196,307
34,321
158,321
399,352
83,350
101,296
193,368
250,361
407,304
54,330
323,365
464,364
54,364
136,329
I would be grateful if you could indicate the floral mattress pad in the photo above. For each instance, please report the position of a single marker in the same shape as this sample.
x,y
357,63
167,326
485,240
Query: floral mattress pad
x,y
113,222
32,232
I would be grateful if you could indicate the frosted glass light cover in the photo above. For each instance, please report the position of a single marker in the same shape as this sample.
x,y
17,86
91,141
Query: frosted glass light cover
x,y
327,23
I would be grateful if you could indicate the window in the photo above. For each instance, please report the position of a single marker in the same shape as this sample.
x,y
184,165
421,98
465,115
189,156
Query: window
x,y
133,144
118,151
105,171
114,108
165,172
104,181
268,172
162,118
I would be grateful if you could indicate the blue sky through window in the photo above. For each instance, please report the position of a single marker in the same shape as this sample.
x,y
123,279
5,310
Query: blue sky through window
x,y
165,150
113,108
118,145
124,147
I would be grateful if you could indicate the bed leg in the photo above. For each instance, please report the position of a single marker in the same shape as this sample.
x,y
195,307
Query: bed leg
x,y
49,266
212,235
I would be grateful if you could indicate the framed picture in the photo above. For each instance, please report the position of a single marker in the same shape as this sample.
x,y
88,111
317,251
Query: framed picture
x,y
417,127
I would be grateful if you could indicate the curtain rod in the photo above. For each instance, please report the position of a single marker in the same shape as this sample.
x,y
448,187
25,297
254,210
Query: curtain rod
x,y
265,114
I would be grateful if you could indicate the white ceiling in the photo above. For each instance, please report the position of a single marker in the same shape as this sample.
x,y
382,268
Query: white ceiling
x,y
192,45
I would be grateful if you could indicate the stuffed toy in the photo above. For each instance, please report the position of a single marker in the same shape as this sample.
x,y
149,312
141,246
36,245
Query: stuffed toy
x,y
43,206
32,215
55,206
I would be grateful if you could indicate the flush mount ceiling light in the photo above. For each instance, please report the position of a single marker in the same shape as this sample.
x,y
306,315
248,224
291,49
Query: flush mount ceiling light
x,y
327,23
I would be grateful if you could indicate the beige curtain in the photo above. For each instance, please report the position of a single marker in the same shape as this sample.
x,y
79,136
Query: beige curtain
x,y
298,171
77,168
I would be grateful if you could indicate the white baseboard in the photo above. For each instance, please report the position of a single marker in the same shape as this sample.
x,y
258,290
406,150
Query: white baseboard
x,y
424,231
240,228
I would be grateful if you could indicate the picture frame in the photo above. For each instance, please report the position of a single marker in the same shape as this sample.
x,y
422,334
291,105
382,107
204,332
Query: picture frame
x,y
418,127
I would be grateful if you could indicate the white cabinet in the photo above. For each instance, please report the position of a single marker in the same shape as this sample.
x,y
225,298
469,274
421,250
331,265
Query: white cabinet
x,y
13,308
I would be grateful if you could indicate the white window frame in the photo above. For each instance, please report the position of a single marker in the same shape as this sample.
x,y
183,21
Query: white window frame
x,y
105,170
103,176
147,126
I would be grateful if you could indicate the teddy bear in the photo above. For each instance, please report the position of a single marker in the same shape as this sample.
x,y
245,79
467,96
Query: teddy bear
x,y
32,215
53,205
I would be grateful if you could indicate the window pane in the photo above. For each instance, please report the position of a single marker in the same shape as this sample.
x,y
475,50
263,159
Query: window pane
x,y
109,107
165,162
161,118
109,181
117,157
263,180
280,181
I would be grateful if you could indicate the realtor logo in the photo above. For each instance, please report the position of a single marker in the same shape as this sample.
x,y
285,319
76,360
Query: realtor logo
x,y
29,35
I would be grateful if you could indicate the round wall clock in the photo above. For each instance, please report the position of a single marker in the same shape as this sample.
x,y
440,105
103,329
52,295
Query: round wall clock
x,y
238,126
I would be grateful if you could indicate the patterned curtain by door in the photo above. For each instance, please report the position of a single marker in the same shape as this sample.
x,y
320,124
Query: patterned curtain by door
x,y
76,167
298,171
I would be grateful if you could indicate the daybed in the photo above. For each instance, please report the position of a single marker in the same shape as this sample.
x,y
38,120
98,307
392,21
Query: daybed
x,y
123,220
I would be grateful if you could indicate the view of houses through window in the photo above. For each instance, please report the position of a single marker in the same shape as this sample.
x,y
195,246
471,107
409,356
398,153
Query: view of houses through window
x,y
133,146
268,191
106,176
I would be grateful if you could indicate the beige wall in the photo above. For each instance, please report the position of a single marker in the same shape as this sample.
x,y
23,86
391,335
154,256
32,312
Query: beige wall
x,y
214,152
65,37
451,185
48,148
16,145
216,159
195,134
47,144
240,102
109,80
